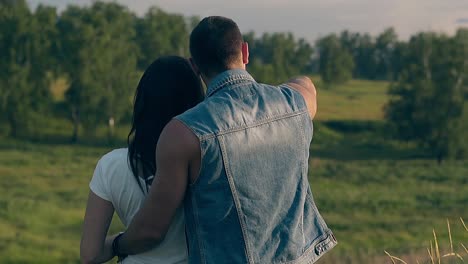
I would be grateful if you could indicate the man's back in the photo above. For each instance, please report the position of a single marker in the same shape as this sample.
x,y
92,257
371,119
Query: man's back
x,y
239,161
251,202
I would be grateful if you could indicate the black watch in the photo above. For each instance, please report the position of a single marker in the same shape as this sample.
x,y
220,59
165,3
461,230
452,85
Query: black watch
x,y
115,247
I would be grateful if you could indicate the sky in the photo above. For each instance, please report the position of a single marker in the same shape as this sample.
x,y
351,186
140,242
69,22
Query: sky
x,y
311,19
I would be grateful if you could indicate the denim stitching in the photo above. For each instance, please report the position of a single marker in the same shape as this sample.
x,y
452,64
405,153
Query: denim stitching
x,y
202,164
320,219
224,82
226,79
235,198
306,254
310,252
304,170
234,85
190,128
197,229
260,123
301,128
202,149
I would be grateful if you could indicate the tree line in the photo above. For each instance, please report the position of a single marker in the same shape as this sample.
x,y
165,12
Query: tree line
x,y
102,49
429,82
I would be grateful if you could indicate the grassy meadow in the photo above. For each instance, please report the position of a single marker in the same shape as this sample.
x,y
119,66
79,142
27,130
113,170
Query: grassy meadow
x,y
375,193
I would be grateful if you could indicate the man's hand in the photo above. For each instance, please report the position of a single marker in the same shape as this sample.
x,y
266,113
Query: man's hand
x,y
306,88
176,151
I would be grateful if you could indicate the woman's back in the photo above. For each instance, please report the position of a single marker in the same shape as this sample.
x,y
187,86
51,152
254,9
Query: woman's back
x,y
113,181
168,87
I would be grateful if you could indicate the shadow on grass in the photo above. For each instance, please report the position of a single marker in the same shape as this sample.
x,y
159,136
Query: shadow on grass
x,y
360,140
57,131
30,143
334,140
346,150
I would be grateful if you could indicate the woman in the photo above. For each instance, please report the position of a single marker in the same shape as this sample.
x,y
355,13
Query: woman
x,y
122,177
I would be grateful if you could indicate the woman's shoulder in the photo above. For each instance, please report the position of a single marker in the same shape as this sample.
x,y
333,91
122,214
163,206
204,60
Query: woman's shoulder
x,y
114,159
116,153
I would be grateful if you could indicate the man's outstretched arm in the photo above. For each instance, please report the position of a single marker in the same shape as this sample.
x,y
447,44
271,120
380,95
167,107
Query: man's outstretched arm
x,y
306,88
176,148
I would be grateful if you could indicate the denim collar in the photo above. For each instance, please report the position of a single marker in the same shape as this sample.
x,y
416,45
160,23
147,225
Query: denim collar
x,y
228,77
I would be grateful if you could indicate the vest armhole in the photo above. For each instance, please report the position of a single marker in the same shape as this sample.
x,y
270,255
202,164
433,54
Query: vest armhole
x,y
202,152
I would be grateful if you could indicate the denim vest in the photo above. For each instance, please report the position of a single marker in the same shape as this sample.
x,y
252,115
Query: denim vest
x,y
252,202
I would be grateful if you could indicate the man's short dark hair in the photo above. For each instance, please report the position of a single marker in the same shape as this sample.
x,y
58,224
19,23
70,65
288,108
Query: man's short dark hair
x,y
215,43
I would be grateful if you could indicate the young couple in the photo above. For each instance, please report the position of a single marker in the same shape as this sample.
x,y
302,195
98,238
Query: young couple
x,y
215,179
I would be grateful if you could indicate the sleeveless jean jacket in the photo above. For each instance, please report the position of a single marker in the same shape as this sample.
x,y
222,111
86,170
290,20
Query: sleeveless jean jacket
x,y
252,201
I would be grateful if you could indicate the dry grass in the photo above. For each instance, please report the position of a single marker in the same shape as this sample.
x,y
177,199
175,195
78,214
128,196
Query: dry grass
x,y
435,256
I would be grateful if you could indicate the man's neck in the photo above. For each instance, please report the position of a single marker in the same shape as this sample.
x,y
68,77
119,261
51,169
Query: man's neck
x,y
207,80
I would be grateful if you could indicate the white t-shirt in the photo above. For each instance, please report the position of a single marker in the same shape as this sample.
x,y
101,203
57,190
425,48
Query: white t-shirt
x,y
113,181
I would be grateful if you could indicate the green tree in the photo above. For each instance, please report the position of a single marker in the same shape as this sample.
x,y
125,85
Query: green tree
x,y
25,59
335,61
278,56
374,58
362,48
385,46
159,33
428,100
263,73
98,56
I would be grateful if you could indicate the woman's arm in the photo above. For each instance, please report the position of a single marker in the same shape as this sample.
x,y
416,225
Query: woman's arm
x,y
95,248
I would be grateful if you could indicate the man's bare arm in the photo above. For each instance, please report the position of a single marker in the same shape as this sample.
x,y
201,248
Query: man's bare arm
x,y
306,88
176,148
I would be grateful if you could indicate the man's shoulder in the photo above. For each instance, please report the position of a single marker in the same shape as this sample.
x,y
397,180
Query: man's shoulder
x,y
196,112
178,140
274,88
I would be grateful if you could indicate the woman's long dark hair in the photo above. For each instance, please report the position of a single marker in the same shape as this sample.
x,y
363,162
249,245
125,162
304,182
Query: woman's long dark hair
x,y
168,88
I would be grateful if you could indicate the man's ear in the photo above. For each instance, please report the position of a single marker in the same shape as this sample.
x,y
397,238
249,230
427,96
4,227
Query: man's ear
x,y
195,67
245,52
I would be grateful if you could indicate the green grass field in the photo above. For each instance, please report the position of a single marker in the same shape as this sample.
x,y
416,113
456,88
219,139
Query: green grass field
x,y
356,100
375,193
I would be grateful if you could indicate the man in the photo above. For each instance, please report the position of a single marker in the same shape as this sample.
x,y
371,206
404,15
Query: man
x,y
239,161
